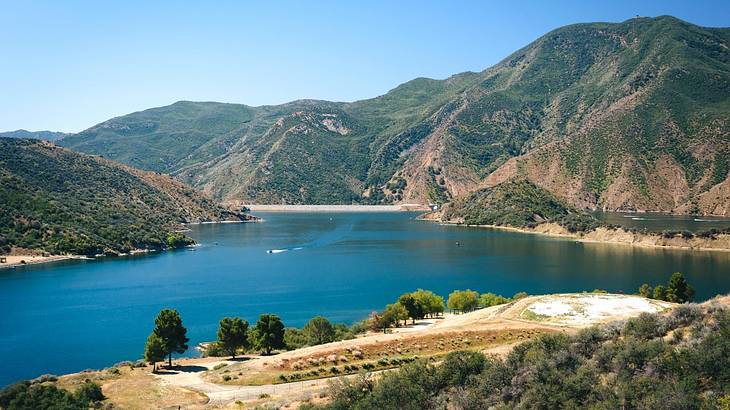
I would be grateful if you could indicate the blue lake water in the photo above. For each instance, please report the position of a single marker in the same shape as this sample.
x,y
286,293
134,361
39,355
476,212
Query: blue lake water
x,y
68,316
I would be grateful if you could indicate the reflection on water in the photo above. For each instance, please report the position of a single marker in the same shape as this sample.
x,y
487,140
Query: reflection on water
x,y
100,312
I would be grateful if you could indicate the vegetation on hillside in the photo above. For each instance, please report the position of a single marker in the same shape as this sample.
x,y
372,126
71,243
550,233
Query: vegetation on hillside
x,y
58,201
38,395
673,361
593,110
517,203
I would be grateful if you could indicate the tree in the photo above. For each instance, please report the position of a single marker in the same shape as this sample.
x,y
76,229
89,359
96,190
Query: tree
x,y
233,334
319,330
678,290
414,308
520,295
491,299
384,320
396,312
294,338
169,328
269,333
154,350
430,302
463,300
660,292
645,290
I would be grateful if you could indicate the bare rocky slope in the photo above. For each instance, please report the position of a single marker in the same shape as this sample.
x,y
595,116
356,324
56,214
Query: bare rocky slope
x,y
627,116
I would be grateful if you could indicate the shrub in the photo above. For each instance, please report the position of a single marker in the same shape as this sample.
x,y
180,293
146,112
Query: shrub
x,y
90,392
458,366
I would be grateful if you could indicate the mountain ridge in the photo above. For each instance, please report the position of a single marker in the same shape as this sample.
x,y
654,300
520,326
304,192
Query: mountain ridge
x,y
612,116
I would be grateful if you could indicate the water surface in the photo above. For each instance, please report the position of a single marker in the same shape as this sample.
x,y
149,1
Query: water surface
x,y
72,315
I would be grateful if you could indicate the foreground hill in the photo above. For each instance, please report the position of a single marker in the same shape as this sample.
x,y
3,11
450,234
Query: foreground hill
x,y
59,201
628,116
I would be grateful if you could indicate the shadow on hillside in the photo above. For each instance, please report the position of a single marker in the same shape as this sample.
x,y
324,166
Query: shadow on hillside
x,y
182,369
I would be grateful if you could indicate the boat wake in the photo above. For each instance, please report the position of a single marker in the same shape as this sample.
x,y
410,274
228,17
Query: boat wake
x,y
284,250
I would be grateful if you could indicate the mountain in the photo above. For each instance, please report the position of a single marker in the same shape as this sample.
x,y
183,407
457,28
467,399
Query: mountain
x,y
60,201
626,116
40,135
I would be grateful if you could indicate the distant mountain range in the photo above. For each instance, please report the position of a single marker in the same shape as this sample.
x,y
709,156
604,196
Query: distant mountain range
x,y
39,135
627,116
60,201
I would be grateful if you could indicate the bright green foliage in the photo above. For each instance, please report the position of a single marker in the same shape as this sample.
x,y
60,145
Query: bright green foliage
x,y
233,334
154,350
268,333
463,300
62,202
431,303
645,290
318,331
169,328
395,312
490,299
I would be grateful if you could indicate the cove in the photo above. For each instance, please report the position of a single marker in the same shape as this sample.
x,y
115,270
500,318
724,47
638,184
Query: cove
x,y
71,315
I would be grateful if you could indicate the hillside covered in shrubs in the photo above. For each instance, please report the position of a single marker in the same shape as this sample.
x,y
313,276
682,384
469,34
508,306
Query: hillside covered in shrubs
x,y
679,360
519,204
58,201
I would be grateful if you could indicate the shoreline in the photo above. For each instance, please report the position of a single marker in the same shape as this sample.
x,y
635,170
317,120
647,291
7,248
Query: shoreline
x,y
620,236
339,208
13,261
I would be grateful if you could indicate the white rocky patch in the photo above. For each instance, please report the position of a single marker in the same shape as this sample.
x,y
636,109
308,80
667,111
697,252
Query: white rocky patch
x,y
590,308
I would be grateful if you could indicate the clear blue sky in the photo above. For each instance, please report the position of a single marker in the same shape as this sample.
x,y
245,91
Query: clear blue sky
x,y
67,65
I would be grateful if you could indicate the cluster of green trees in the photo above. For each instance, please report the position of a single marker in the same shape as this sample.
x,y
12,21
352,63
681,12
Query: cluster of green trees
x,y
413,305
318,331
28,395
169,336
468,300
677,290
674,361
235,335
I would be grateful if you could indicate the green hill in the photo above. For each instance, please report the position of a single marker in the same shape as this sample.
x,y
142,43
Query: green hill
x,y
40,135
627,116
59,201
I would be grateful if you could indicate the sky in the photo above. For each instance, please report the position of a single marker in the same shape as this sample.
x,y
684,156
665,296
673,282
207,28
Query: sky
x,y
67,65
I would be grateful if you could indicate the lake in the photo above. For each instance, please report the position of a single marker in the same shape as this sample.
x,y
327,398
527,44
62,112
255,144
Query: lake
x,y
71,315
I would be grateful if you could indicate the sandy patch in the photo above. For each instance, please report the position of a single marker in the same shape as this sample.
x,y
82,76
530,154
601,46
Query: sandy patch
x,y
590,308
19,260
